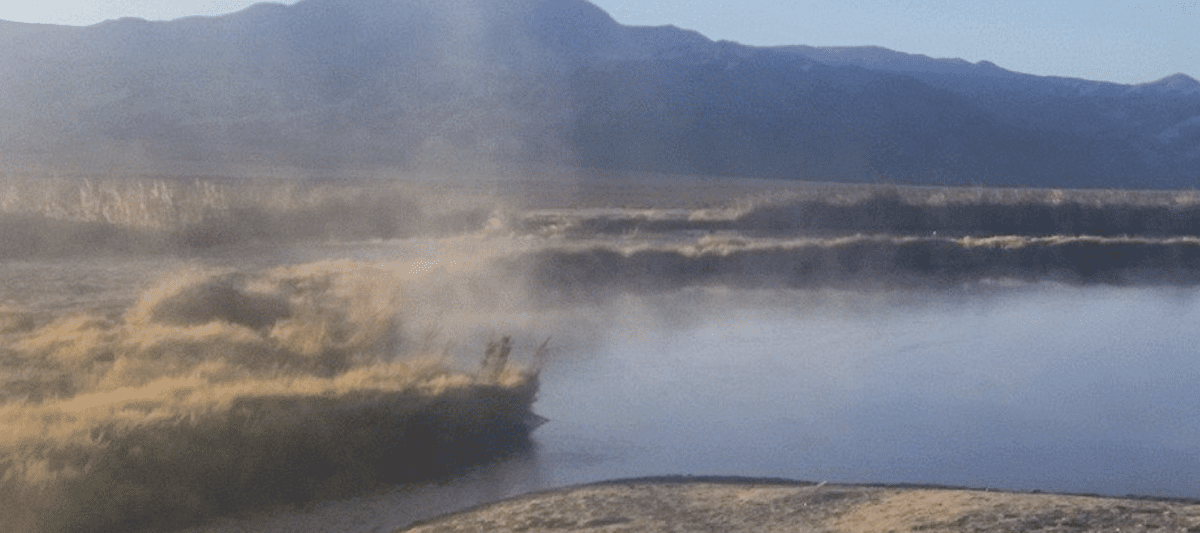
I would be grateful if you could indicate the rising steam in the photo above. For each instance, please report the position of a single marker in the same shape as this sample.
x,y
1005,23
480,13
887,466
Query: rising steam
x,y
221,391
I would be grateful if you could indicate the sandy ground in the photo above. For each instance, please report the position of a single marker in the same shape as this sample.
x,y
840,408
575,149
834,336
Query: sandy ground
x,y
745,505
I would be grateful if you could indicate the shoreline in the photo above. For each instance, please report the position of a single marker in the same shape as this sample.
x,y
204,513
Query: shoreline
x,y
741,504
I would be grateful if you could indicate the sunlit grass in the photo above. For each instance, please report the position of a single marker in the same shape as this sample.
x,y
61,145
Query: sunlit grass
x,y
219,392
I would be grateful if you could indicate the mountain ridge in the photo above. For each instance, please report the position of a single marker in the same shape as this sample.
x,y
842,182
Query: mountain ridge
x,y
1175,83
423,84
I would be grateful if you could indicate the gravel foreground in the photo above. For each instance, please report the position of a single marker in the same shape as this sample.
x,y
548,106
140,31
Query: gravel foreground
x,y
698,504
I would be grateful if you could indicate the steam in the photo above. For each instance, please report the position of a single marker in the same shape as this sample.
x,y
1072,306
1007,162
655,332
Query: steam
x,y
201,394
220,391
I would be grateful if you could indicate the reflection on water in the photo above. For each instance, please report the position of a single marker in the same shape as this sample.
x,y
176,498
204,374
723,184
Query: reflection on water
x,y
1040,387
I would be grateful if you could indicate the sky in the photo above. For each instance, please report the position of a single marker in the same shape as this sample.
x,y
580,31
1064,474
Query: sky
x,y
1119,41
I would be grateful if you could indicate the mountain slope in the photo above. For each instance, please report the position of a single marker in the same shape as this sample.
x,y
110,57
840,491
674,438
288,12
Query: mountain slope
x,y
758,113
439,84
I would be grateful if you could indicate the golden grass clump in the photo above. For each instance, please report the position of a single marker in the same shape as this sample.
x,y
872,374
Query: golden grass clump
x,y
220,392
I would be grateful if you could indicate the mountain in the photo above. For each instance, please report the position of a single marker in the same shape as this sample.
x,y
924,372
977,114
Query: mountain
x,y
321,82
434,84
879,58
1175,85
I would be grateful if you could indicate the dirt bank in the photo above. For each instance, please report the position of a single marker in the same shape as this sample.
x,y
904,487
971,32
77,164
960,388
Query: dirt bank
x,y
756,505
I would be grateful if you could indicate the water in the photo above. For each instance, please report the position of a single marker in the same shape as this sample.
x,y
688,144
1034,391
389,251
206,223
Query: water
x,y
1031,387
683,340
1042,387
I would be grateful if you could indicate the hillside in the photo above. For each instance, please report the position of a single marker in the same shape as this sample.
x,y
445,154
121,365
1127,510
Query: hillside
x,y
423,84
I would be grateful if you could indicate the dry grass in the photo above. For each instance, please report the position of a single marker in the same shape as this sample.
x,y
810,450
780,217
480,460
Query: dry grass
x,y
219,392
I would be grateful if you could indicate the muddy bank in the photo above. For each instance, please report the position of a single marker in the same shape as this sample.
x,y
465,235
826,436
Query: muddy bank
x,y
684,504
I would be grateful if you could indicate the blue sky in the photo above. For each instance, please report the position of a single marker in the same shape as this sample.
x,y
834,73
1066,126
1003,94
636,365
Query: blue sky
x,y
1121,41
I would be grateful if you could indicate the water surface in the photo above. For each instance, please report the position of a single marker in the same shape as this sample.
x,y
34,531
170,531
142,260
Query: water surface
x,y
1042,386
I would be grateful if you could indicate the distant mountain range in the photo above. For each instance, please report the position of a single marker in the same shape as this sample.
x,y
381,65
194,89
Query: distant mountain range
x,y
421,84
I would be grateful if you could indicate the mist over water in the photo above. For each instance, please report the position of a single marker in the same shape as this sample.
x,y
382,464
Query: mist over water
x,y
1040,387
182,352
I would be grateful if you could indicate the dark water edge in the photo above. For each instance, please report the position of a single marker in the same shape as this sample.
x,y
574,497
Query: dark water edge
x,y
883,262
922,211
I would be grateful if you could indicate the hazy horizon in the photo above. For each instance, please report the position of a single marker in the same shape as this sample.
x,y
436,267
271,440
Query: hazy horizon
x,y
1123,42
